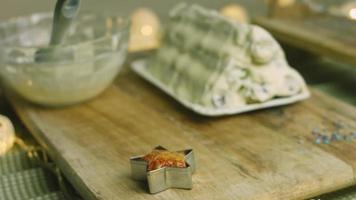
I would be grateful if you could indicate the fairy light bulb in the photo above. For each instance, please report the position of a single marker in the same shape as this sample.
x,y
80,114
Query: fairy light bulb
x,y
145,30
352,13
282,3
235,12
7,135
285,3
349,9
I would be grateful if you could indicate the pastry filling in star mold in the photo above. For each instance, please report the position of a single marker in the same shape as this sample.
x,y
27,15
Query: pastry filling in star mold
x,y
162,158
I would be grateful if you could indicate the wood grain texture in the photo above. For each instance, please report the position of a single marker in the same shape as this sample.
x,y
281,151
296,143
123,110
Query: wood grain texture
x,y
268,154
323,35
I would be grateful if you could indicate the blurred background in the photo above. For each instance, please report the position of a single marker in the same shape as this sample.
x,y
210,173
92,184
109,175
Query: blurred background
x,y
331,76
11,8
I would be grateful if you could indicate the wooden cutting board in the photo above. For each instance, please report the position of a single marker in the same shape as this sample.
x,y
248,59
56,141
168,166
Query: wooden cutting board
x,y
268,154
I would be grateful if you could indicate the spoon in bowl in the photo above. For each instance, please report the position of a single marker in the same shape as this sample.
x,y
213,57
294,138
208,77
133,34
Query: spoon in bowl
x,y
64,14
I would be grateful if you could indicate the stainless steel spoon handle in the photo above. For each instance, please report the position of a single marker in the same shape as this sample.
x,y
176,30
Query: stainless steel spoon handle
x,y
70,8
65,11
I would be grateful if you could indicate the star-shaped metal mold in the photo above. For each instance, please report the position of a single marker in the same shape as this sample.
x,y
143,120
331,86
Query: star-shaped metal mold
x,y
166,177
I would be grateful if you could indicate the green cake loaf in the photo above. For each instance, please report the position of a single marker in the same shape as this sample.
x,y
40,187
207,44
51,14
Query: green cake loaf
x,y
208,60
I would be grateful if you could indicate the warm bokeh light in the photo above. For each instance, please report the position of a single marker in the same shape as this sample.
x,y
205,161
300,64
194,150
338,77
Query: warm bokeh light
x,y
29,83
352,13
285,3
348,9
282,3
145,30
235,12
109,23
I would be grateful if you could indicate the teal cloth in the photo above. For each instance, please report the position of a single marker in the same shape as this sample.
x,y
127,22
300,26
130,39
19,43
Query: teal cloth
x,y
23,179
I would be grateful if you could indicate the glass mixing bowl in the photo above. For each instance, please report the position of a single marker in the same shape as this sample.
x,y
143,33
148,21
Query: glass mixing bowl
x,y
82,67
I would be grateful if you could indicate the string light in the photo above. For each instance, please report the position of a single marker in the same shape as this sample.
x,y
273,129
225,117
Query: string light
x,y
282,3
348,9
235,12
352,13
29,83
285,3
145,30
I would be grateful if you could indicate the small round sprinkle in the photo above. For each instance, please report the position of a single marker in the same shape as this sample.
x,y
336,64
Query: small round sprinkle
x,y
315,132
338,125
326,141
338,136
318,140
353,134
348,138
334,136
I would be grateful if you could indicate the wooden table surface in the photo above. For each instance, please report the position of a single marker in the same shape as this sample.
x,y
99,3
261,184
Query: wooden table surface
x,y
268,154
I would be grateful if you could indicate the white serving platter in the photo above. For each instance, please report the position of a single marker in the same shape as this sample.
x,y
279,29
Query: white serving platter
x,y
139,67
